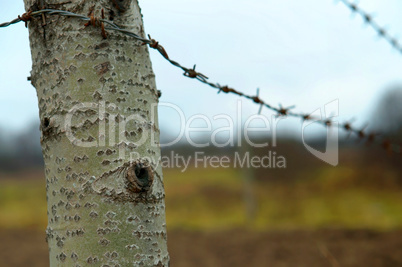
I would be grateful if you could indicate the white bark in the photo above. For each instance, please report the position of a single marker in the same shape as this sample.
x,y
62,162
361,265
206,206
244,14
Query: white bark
x,y
104,184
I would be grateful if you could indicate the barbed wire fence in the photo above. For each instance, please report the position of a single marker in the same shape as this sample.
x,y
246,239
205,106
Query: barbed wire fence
x,y
106,25
369,19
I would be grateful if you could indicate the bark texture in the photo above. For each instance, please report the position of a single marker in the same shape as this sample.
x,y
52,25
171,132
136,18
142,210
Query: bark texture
x,y
104,184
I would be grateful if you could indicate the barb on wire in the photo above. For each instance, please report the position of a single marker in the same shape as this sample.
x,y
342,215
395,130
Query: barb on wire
x,y
155,45
382,32
284,111
96,22
26,17
193,74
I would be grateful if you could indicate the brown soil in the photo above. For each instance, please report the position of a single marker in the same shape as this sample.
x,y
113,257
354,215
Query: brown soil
x,y
241,248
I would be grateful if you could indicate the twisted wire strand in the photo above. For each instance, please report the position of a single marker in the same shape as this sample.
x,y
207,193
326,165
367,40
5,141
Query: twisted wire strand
x,y
382,32
192,73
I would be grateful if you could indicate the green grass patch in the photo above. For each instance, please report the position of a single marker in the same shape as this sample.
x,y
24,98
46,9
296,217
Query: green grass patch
x,y
23,204
331,198
215,199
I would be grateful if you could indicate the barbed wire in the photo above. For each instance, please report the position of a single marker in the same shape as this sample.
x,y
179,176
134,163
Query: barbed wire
x,y
369,19
362,134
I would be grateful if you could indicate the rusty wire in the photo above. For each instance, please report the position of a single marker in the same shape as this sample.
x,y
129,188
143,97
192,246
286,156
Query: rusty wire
x,y
369,19
369,137
96,22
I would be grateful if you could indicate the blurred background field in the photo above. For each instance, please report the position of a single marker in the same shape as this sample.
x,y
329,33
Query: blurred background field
x,y
310,215
347,196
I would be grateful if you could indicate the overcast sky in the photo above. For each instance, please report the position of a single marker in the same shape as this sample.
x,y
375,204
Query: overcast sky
x,y
307,53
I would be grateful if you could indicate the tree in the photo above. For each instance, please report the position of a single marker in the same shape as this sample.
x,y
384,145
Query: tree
x,y
387,116
96,98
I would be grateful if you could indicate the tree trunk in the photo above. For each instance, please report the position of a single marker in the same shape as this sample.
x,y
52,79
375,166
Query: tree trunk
x,y
100,138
